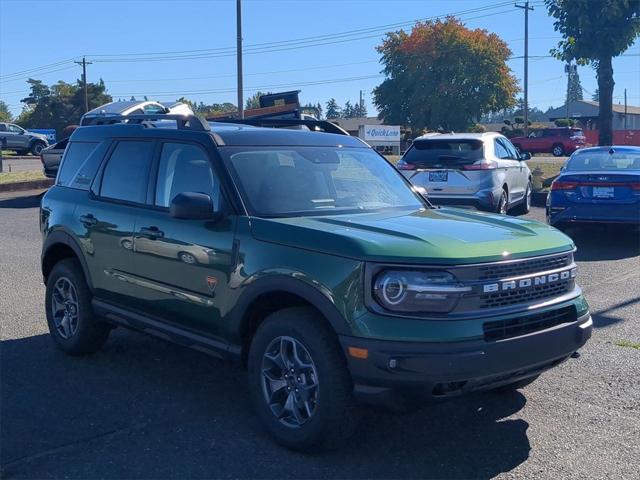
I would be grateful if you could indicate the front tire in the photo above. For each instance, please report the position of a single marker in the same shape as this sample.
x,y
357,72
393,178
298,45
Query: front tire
x,y
299,382
37,148
72,323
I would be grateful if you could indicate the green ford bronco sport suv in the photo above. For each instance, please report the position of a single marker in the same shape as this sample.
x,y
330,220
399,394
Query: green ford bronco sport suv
x,y
305,256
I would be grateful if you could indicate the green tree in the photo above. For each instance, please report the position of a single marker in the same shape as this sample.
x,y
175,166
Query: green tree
x,y
443,75
5,114
596,95
254,100
574,90
347,110
59,105
593,33
333,109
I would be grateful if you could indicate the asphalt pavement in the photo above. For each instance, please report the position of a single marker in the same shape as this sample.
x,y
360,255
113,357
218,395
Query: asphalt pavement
x,y
143,408
21,164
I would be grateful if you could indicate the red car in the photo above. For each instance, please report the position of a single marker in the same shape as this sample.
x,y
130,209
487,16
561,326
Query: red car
x,y
558,141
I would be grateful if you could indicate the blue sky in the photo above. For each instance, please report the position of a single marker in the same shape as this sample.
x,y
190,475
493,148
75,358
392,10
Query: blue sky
x,y
53,33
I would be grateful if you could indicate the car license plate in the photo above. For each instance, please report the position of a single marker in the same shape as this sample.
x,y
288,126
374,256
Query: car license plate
x,y
603,192
438,176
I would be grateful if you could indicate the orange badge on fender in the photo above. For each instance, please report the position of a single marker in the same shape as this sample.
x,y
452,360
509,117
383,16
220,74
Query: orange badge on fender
x,y
211,283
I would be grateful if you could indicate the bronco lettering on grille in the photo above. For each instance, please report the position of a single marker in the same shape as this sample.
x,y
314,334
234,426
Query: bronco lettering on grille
x,y
529,281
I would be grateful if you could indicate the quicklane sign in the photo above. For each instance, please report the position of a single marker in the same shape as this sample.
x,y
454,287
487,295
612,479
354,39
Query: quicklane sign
x,y
387,133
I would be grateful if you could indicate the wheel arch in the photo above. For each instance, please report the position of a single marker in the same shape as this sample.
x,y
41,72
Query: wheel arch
x,y
271,294
60,245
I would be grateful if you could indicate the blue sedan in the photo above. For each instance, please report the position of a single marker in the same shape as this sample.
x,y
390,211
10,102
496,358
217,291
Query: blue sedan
x,y
597,185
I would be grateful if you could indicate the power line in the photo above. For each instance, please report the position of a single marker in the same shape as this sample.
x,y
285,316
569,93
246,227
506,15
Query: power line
x,y
313,39
255,88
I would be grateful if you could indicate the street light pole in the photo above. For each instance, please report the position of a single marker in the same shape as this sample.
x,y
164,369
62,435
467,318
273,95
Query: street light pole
x,y
239,54
526,8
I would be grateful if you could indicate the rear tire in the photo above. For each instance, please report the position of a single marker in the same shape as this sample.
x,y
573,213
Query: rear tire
x,y
324,405
525,206
557,150
73,325
503,204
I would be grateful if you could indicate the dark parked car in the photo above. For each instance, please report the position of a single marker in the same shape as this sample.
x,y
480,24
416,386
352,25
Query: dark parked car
x,y
51,156
558,141
307,258
597,185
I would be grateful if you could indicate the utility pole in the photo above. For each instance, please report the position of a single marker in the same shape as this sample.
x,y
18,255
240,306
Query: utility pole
x,y
526,8
361,103
625,108
84,64
239,54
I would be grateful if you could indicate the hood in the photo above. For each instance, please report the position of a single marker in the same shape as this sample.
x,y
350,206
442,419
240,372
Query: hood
x,y
39,136
435,236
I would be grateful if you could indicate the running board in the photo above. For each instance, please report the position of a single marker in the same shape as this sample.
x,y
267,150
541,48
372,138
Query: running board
x,y
161,329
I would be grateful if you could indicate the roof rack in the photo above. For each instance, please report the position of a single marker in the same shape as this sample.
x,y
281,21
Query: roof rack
x,y
183,122
314,125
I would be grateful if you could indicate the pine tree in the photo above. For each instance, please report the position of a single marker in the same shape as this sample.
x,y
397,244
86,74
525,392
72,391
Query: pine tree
x,y
333,110
596,96
347,110
574,91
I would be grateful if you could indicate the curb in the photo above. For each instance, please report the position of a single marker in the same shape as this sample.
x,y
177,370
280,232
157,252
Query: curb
x,y
539,199
28,185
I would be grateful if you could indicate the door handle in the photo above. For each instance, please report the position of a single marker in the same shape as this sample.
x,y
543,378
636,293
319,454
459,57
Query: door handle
x,y
151,232
88,220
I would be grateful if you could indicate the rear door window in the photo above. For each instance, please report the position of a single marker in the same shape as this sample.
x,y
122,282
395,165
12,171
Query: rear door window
x,y
126,174
76,155
444,153
501,150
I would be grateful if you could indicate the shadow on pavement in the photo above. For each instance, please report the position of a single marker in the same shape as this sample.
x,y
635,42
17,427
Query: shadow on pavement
x,y
142,408
31,201
604,318
600,243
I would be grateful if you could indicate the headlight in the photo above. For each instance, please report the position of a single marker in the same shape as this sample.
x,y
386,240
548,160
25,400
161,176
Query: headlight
x,y
414,291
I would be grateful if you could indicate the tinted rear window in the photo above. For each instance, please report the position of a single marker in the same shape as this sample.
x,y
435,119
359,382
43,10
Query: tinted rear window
x,y
127,172
442,152
602,160
75,156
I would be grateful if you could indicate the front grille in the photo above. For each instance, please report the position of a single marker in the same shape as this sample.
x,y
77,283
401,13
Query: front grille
x,y
514,327
516,269
526,295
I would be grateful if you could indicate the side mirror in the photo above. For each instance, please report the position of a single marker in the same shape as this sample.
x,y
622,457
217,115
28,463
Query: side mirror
x,y
525,156
192,206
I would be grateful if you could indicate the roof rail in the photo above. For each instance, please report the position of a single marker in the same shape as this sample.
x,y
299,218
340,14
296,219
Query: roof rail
x,y
313,125
183,122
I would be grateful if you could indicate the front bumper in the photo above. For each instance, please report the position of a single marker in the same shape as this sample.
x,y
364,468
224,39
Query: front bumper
x,y
436,370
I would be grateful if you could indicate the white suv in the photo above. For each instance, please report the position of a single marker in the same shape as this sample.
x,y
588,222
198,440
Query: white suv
x,y
481,170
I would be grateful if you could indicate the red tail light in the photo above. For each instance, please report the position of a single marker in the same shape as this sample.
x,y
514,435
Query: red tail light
x,y
559,185
405,166
482,166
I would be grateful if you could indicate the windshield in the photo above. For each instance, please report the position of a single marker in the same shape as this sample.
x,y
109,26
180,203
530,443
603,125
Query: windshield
x,y
443,152
299,181
603,160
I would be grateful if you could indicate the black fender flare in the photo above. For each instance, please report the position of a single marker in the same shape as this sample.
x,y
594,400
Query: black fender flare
x,y
60,237
281,283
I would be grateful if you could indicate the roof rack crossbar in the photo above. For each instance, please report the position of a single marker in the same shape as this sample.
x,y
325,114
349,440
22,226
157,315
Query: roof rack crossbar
x,y
313,125
183,122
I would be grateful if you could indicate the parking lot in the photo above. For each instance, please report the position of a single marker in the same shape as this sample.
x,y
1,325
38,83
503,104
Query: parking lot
x,y
144,408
